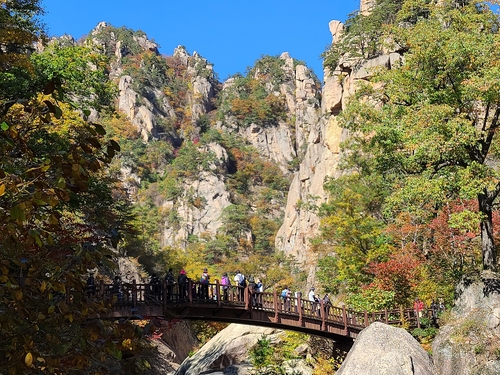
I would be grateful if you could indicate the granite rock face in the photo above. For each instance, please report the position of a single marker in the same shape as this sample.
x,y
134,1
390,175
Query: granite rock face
x,y
228,349
384,350
469,342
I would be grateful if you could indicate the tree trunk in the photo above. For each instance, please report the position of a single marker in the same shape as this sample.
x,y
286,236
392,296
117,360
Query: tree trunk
x,y
487,241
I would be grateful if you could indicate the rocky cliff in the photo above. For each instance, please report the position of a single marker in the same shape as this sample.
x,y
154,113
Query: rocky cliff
x,y
178,99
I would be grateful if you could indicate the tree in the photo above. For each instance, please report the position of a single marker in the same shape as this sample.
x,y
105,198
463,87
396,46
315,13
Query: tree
x,y
80,71
19,30
430,125
351,233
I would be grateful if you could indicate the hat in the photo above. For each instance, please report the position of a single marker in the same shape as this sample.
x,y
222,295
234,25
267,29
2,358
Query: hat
x,y
183,272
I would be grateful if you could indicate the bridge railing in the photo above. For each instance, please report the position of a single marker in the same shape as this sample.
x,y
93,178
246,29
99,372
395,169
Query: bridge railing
x,y
134,294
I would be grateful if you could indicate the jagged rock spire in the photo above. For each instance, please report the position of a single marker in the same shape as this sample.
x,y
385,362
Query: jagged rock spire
x,y
366,6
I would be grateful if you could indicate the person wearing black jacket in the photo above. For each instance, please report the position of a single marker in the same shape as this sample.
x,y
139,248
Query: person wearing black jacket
x,y
169,281
182,280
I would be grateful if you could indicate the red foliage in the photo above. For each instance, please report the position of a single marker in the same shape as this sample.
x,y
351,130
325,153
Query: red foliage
x,y
454,250
400,273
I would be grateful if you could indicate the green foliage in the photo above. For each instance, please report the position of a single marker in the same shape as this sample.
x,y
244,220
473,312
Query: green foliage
x,y
57,215
427,333
371,299
109,35
190,161
81,71
268,358
429,129
262,353
148,71
270,69
363,34
351,233
236,221
19,30
250,101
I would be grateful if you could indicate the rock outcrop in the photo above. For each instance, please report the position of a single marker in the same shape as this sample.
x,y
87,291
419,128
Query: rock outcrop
x,y
228,348
384,350
324,137
469,342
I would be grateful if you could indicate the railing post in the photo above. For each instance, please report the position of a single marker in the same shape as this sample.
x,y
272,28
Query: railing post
x,y
299,307
217,293
366,318
322,314
134,293
275,302
101,288
344,318
401,314
386,317
190,291
246,296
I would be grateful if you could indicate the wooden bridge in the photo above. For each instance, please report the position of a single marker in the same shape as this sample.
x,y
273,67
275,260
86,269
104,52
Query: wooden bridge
x,y
211,302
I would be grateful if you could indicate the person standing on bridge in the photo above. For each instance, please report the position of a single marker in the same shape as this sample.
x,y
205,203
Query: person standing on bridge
x,y
260,290
327,304
183,282
312,301
226,283
169,282
155,286
239,280
204,281
285,296
418,307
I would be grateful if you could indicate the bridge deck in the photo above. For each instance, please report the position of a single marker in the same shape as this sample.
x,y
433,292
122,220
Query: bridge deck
x,y
194,301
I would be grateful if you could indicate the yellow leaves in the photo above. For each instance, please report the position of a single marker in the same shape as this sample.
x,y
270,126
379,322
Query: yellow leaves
x,y
18,295
43,286
2,190
94,335
127,344
28,359
51,309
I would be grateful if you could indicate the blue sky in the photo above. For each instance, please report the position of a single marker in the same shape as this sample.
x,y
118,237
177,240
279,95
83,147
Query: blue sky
x,y
231,34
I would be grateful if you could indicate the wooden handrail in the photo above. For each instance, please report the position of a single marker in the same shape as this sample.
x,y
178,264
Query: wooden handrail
x,y
303,312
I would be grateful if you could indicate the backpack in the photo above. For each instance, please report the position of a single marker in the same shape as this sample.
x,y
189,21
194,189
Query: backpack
x,y
182,278
225,282
260,287
169,278
284,293
243,281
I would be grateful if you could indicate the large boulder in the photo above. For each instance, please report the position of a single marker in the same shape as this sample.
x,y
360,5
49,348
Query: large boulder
x,y
384,350
229,348
469,342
